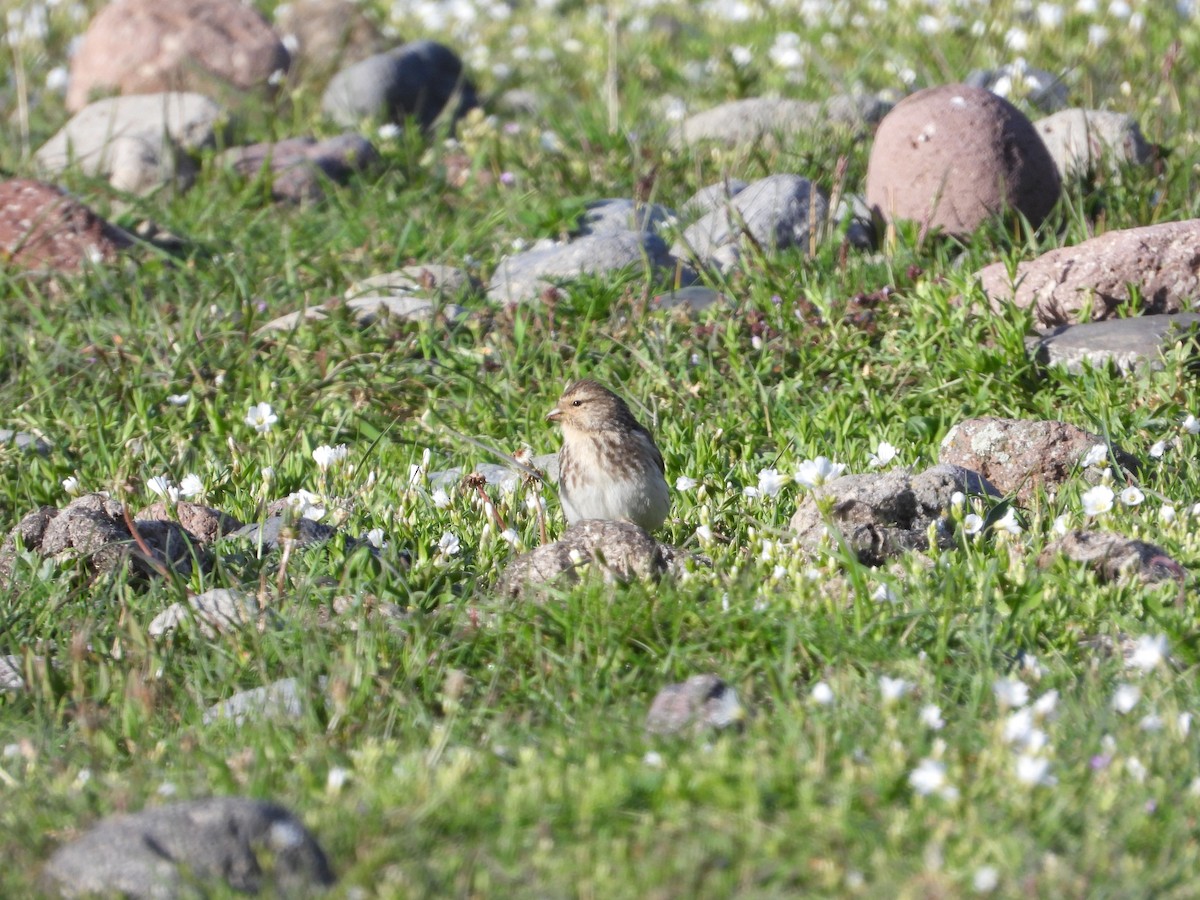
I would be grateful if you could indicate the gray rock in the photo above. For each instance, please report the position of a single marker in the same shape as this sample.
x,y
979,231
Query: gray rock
x,y
1018,81
25,441
187,849
774,213
12,674
768,121
1113,556
702,703
1129,344
369,310
883,515
1095,277
218,611
617,551
526,276
268,535
418,79
429,280
301,166
137,143
1022,456
855,215
616,215
712,197
284,699
1080,140
694,299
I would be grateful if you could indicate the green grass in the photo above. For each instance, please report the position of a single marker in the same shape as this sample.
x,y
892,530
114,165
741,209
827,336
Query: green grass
x,y
496,748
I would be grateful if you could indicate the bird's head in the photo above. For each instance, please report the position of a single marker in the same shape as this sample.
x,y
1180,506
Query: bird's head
x,y
589,406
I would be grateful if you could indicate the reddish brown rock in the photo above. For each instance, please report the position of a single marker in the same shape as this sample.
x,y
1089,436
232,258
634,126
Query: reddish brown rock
x,y
953,156
700,704
1091,281
148,46
1019,456
203,523
45,229
1112,556
328,34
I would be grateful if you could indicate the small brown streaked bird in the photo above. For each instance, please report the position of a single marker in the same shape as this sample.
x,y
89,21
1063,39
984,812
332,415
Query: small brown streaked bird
x,y
608,467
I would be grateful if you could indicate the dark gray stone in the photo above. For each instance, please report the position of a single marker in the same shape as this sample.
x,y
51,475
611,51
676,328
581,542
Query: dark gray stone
x,y
882,515
1129,344
270,533
617,214
526,276
418,79
774,213
768,121
299,167
186,849
702,703
23,440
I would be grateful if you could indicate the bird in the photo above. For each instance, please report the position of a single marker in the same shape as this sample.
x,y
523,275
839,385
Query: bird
x,y
609,466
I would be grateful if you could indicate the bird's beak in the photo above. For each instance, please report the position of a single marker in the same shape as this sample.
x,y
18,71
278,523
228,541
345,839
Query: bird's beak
x,y
553,415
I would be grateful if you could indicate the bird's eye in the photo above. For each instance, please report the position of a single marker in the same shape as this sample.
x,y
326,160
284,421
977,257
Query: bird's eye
x,y
577,403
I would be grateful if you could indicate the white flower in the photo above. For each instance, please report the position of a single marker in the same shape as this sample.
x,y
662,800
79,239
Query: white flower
x,y
440,499
1008,522
449,544
163,487
683,483
1148,653
261,417
1019,728
389,131
1184,723
1191,424
71,485
510,537
1151,723
1097,36
931,717
326,456
653,760
1061,524
883,455
770,482
821,694
1034,770
1126,697
306,504
191,486
1131,496
929,777
1031,667
892,689
1016,39
336,778
1046,705
1157,449
972,523
551,142
1050,15
1097,455
57,80
1010,692
885,594
178,399
377,538
986,879
741,56
1097,500
815,472
704,533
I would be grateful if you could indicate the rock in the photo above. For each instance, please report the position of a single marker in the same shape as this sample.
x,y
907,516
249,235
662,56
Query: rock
x,y
148,46
203,523
301,166
218,611
1019,81
773,213
285,699
1095,277
24,441
1080,140
1129,344
618,550
854,214
1021,456
244,844
430,280
767,121
368,310
526,276
326,35
616,215
1112,556
712,197
268,535
885,514
702,703
952,157
12,674
418,79
694,299
138,143
42,228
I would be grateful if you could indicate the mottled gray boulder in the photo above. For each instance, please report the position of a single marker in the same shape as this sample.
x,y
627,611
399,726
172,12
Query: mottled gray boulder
x,y
415,80
269,534
1094,278
428,280
527,276
883,515
773,213
711,197
854,214
137,143
44,229
12,674
285,700
619,214
1019,81
187,849
618,551
1113,556
952,157
1022,456
218,611
300,167
702,703
203,523
23,440
1130,344
770,121
694,299
1081,140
